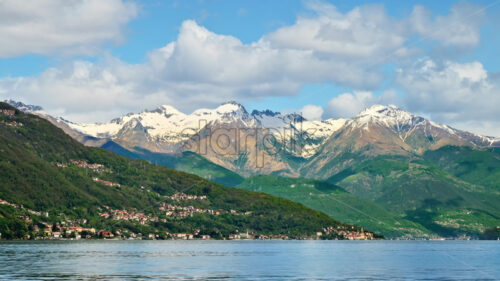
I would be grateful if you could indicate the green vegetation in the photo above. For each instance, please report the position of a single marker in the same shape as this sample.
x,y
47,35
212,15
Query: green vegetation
x,y
336,202
474,166
423,193
35,172
187,161
491,234
452,191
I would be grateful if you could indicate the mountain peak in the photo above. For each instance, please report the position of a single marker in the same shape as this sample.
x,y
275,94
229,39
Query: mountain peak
x,y
387,115
384,112
24,107
379,109
231,106
266,112
168,110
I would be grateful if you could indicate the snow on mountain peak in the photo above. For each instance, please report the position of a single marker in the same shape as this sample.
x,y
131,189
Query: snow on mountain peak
x,y
24,107
231,107
169,110
383,110
389,115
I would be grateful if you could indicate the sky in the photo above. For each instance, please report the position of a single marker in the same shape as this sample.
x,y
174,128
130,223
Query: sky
x,y
94,60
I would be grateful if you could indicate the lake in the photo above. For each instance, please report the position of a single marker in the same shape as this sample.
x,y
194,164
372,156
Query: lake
x,y
250,260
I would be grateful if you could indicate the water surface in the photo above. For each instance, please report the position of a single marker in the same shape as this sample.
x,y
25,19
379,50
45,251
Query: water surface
x,y
250,260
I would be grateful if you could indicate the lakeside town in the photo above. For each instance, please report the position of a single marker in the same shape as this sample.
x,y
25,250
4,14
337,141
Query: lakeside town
x,y
76,229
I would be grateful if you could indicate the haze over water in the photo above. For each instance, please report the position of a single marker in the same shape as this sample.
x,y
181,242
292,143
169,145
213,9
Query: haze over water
x,y
250,260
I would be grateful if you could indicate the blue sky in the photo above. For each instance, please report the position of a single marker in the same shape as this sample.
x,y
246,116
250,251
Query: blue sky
x,y
119,42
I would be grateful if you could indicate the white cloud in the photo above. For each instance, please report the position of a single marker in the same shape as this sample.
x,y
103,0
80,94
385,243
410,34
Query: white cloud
x,y
54,26
459,94
348,105
365,32
202,68
459,28
312,112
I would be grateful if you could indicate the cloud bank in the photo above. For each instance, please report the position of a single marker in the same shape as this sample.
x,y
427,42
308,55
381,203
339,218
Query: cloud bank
x,y
61,26
202,68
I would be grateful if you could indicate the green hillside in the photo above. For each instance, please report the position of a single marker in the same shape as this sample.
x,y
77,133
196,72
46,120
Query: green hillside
x,y
187,161
421,192
37,175
471,165
336,202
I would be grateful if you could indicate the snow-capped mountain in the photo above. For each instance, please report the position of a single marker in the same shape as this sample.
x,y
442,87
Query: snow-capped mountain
x,y
165,128
387,130
377,130
405,125
24,107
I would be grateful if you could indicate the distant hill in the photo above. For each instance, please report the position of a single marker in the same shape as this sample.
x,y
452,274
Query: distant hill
x,y
336,202
187,161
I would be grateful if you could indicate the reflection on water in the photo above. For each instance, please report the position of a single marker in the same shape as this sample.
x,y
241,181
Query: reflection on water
x,y
250,260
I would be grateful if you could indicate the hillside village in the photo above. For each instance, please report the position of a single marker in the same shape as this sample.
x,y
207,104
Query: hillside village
x,y
174,207
79,228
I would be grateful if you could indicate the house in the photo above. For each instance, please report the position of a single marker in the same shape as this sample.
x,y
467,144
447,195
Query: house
x,y
89,230
105,234
7,112
234,236
185,236
247,236
205,237
76,229
56,234
47,231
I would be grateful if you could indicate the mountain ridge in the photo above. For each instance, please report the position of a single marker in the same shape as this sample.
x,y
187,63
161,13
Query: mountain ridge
x,y
377,130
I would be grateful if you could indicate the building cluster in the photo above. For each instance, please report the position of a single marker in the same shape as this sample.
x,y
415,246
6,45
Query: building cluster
x,y
3,202
236,213
250,236
105,182
36,213
184,211
76,232
182,196
96,167
127,215
346,233
10,113
187,236
13,124
7,112
234,236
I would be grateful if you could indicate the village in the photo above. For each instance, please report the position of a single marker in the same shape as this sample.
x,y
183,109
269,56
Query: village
x,y
175,207
10,113
95,167
72,229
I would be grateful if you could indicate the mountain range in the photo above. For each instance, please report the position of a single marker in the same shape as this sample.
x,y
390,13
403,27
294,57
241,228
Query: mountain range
x,y
289,144
390,170
53,185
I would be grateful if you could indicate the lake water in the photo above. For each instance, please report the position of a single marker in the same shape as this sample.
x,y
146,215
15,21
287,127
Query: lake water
x,y
250,260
